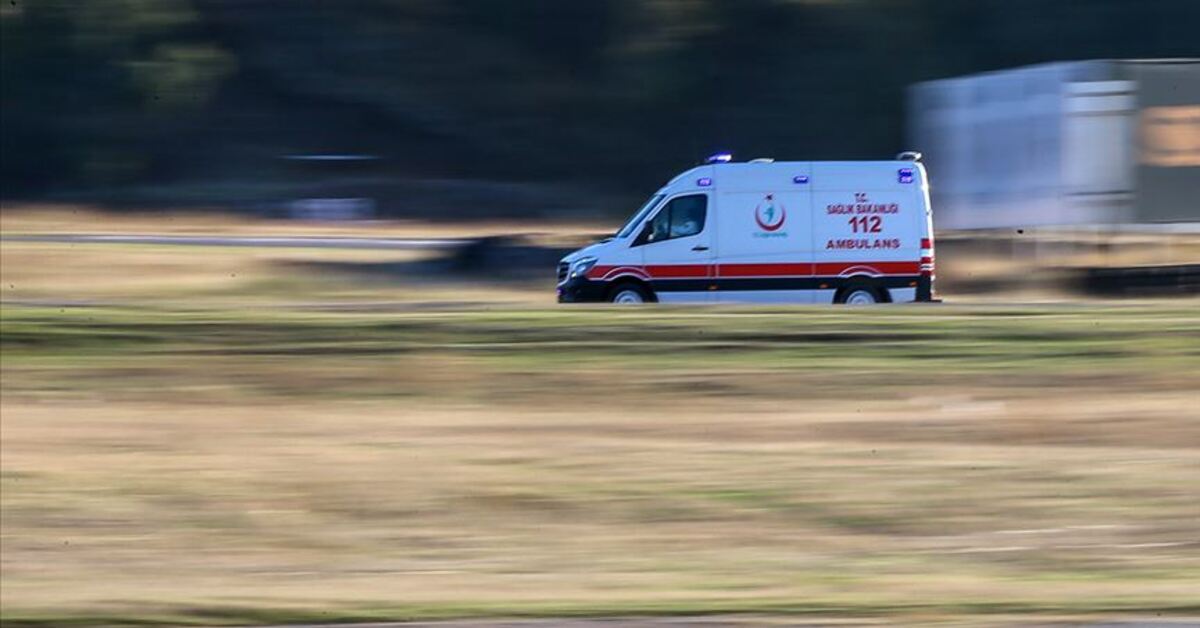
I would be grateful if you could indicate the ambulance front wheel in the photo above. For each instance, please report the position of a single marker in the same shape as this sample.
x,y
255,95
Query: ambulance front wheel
x,y
629,294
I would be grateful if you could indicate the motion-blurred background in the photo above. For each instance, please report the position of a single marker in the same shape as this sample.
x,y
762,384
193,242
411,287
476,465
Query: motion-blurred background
x,y
278,340
469,108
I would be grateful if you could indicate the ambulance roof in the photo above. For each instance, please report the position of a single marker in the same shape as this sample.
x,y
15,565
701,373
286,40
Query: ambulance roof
x,y
817,175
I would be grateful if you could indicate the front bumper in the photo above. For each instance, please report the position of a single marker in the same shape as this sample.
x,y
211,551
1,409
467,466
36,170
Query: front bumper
x,y
582,290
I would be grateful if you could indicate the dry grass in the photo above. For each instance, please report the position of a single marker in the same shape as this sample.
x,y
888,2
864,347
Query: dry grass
x,y
124,509
201,447
1040,266
229,277
26,219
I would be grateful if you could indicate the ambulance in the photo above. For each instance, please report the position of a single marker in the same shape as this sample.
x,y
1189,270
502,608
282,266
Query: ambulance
x,y
767,231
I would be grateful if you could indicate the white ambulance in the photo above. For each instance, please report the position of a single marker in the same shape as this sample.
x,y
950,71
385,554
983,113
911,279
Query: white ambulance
x,y
769,232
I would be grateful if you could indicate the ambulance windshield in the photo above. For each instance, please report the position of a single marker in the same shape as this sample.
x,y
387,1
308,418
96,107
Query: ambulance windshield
x,y
641,214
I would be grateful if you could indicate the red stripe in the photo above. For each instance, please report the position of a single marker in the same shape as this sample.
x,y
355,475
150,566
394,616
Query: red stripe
x,y
677,271
595,272
886,268
783,269
598,272
764,270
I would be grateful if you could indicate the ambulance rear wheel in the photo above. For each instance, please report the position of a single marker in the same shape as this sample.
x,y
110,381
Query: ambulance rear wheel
x,y
629,294
861,295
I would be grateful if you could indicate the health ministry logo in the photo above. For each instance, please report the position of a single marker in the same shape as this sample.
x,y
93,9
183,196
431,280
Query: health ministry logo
x,y
770,214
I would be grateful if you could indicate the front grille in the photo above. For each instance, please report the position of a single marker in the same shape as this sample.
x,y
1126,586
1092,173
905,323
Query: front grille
x,y
563,267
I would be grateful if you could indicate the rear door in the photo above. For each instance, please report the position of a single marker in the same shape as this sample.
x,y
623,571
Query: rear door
x,y
677,248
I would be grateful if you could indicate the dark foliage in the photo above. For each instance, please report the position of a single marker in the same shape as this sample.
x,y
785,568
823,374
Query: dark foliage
x,y
198,99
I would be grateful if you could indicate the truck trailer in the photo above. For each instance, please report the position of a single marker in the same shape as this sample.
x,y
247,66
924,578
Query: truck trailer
x,y
1104,142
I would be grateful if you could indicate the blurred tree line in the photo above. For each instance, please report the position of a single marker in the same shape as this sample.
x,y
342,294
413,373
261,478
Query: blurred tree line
x,y
199,99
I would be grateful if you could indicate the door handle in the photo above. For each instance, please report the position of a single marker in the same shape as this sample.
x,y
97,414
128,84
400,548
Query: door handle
x,y
699,247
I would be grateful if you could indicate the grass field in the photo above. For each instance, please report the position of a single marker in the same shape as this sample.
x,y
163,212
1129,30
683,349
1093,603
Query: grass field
x,y
208,436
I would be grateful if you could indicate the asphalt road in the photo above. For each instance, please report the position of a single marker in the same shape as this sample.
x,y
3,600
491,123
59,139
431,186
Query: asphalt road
x,y
255,241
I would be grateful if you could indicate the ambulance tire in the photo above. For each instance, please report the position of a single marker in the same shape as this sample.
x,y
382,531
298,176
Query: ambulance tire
x,y
630,293
860,294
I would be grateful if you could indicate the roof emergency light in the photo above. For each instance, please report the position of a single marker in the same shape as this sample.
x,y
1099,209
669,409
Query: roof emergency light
x,y
719,158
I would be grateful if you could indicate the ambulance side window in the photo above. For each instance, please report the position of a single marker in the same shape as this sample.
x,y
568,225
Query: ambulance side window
x,y
660,226
681,217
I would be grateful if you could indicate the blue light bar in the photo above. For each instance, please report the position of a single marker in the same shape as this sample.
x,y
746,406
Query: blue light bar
x,y
906,175
719,158
800,179
704,182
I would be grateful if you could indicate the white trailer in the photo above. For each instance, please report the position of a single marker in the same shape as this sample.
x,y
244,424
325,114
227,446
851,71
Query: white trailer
x,y
1075,143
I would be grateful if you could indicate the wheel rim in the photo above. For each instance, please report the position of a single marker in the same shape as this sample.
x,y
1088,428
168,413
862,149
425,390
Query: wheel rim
x,y
860,297
628,296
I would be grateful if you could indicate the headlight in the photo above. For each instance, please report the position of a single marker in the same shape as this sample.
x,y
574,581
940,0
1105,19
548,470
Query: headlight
x,y
582,265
